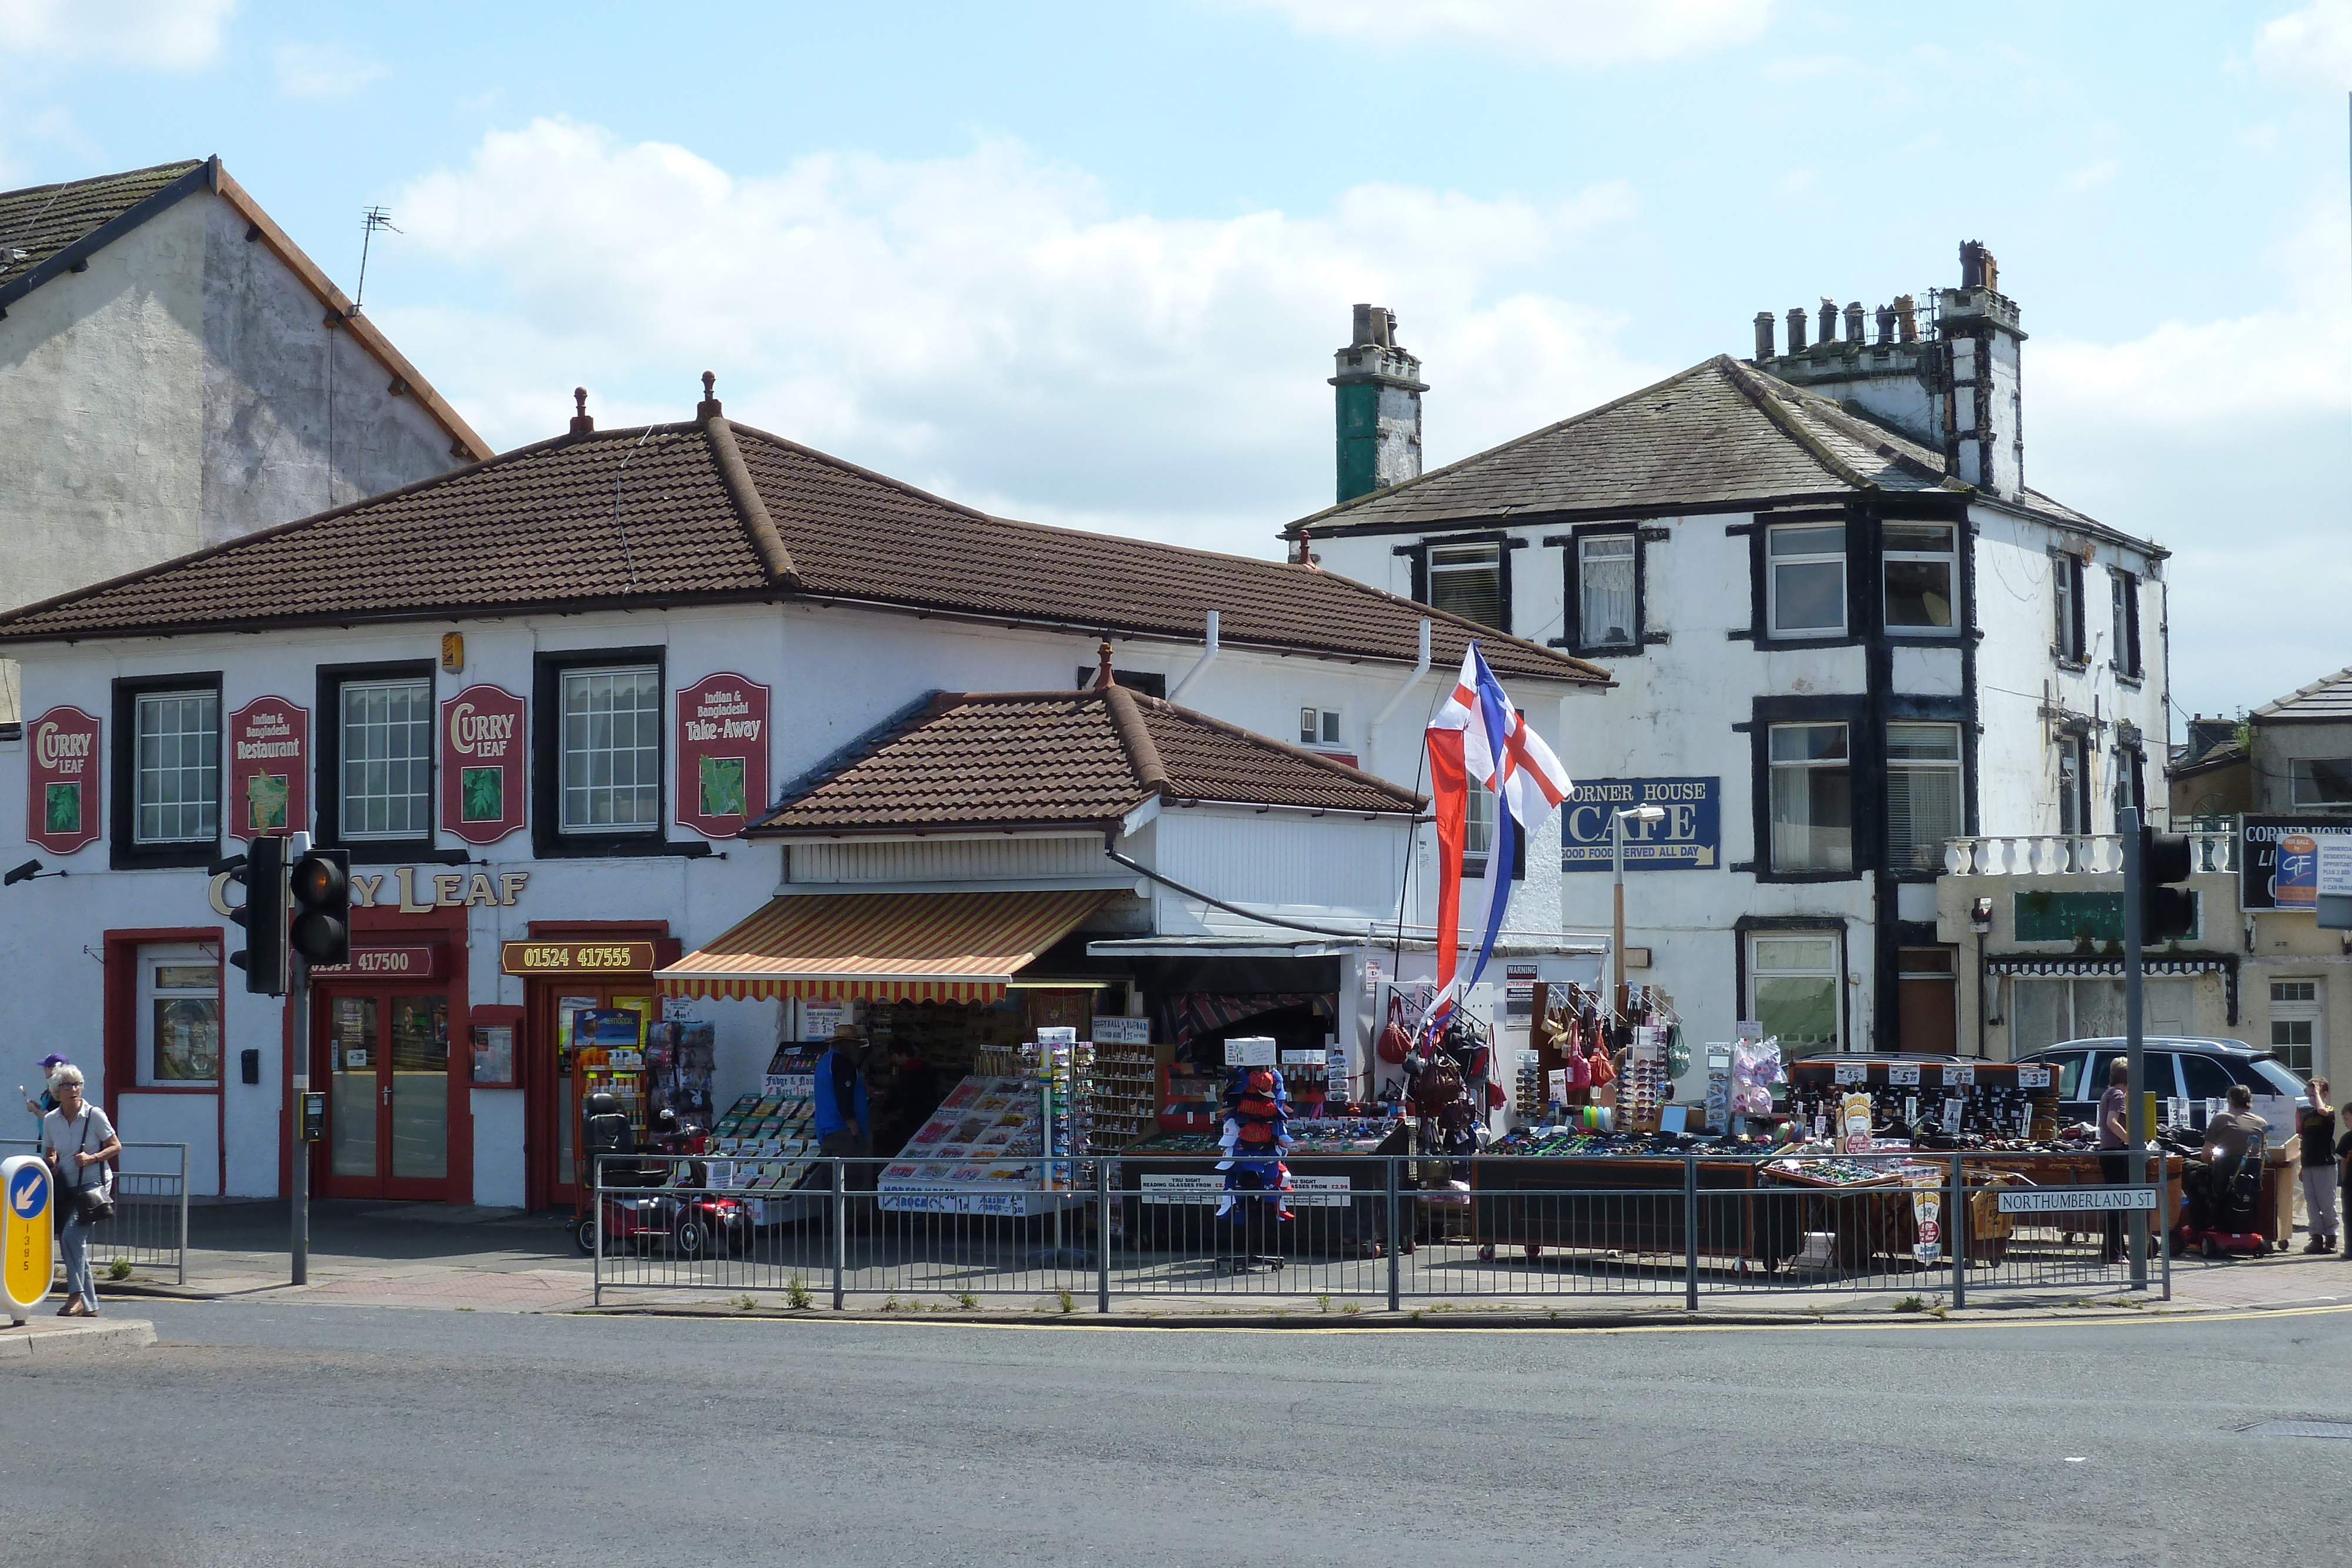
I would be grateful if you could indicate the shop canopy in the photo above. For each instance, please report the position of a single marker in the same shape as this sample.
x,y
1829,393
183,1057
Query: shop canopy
x,y
881,946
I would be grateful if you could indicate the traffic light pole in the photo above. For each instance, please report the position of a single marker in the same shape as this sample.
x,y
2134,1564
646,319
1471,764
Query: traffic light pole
x,y
2134,1040
298,997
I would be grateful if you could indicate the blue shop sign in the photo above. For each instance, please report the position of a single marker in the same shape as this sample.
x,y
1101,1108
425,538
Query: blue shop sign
x,y
1689,839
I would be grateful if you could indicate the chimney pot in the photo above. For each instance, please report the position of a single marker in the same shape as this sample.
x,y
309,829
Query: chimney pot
x,y
1978,268
1853,324
1885,325
1796,328
581,422
1906,317
1763,335
1829,321
708,407
1103,677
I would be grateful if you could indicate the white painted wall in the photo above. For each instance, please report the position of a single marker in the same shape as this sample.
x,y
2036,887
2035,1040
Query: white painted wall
x,y
837,675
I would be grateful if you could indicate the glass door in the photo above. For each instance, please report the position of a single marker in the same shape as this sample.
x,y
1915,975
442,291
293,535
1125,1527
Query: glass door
x,y
387,1074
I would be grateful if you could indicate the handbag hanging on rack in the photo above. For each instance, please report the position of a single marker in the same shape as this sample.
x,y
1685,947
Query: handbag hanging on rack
x,y
1396,1040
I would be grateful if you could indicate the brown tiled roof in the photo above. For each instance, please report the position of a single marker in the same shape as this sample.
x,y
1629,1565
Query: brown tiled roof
x,y
42,220
665,514
1014,759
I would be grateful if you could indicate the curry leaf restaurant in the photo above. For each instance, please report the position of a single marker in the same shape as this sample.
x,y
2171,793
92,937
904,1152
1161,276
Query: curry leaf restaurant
x,y
690,722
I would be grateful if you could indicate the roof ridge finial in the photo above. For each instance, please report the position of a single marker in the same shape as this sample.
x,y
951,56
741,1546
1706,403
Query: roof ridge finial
x,y
581,422
708,407
1104,679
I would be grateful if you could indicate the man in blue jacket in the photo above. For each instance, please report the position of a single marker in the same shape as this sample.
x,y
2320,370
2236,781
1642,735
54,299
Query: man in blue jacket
x,y
844,1129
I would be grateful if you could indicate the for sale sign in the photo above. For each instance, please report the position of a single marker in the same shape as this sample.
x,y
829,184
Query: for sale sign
x,y
61,797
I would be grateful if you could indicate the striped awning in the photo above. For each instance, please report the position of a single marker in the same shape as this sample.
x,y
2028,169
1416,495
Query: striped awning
x,y
880,947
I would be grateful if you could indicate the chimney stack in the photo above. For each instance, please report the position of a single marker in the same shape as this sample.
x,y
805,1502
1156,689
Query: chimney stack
x,y
1378,405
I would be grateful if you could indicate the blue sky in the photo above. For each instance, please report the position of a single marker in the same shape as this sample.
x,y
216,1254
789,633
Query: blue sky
x,y
1087,264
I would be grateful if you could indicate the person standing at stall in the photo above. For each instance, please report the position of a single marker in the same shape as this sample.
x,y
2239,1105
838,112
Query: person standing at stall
x,y
914,1095
844,1128
2114,1145
2344,1175
2316,1125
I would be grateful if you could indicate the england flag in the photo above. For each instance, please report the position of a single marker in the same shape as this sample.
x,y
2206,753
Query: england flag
x,y
1477,733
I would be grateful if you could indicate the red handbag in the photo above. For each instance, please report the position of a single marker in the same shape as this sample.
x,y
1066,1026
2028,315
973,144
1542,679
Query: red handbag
x,y
1396,1040
1604,1072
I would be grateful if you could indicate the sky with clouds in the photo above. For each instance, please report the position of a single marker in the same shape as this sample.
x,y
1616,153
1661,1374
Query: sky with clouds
x,y
1088,264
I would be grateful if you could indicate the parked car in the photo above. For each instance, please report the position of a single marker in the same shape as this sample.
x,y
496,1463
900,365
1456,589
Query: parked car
x,y
2196,1069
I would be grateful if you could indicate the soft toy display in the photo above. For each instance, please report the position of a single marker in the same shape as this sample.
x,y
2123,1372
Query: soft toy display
x,y
1257,1132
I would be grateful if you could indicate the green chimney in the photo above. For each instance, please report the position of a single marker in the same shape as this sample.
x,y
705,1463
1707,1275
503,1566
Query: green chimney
x,y
1378,398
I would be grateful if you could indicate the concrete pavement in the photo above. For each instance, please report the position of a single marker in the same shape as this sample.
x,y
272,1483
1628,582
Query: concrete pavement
x,y
501,1260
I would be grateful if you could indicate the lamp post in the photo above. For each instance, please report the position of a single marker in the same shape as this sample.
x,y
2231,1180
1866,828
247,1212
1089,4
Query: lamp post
x,y
1617,821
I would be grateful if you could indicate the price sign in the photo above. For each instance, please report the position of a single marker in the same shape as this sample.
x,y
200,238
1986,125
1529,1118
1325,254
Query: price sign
x,y
1952,1109
1959,1076
1902,1073
1853,1073
2033,1078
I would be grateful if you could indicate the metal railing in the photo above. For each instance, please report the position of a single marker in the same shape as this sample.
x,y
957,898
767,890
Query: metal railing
x,y
149,1233
1671,1227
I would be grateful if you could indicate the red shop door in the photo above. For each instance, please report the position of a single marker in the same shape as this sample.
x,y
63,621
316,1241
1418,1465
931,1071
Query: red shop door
x,y
385,1061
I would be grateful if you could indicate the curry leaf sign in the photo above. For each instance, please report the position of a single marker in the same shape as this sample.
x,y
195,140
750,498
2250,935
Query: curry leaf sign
x,y
1689,837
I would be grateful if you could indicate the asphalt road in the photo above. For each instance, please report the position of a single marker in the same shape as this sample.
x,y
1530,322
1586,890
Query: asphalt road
x,y
266,1434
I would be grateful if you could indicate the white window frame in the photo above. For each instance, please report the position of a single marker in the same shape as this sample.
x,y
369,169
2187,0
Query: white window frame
x,y
2066,606
2299,1010
1949,555
197,783
418,763
1319,728
1774,561
1833,974
157,964
2298,773
1490,557
1620,552
1901,855
645,759
1776,767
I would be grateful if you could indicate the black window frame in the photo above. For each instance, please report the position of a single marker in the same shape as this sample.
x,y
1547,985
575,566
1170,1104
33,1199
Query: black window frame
x,y
548,840
2123,593
1865,760
1837,926
326,783
1418,554
2066,625
124,853
1572,637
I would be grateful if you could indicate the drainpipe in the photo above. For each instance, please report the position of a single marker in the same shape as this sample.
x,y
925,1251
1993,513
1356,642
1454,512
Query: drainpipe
x,y
1420,668
1208,657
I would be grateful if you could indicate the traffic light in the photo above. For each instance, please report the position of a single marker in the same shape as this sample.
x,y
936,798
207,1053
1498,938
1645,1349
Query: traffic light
x,y
2166,909
322,886
261,872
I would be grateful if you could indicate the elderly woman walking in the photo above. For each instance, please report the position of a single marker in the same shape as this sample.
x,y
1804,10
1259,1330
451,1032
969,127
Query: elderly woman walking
x,y
79,1141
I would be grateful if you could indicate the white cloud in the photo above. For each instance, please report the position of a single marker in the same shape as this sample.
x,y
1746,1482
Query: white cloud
x,y
322,70
2090,176
1575,32
159,35
2222,439
987,325
2309,47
